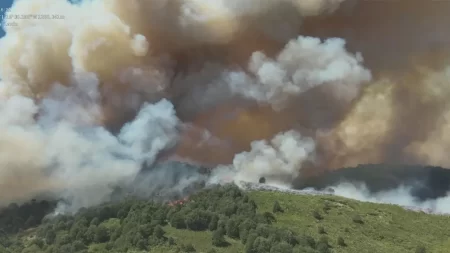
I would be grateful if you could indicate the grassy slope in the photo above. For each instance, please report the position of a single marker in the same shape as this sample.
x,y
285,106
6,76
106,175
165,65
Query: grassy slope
x,y
386,228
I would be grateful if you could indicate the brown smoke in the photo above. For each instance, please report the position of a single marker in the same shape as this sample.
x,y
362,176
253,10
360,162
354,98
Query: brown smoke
x,y
401,115
236,71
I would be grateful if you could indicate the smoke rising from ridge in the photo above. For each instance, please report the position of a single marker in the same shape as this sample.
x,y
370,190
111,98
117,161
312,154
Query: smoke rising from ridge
x,y
209,82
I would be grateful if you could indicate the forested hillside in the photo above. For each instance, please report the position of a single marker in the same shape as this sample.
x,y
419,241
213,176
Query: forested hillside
x,y
225,219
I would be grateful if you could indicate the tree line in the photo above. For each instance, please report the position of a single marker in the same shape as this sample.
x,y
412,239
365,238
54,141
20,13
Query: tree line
x,y
137,224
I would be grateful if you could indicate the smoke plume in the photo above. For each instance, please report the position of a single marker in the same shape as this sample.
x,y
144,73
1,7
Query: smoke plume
x,y
95,95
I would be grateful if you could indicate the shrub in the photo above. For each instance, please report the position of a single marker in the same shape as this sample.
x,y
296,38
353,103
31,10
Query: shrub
x,y
213,223
321,230
323,246
357,219
326,207
281,247
317,215
421,249
232,228
188,248
218,238
277,207
341,242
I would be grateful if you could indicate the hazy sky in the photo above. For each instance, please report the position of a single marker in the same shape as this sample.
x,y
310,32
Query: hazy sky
x,y
3,5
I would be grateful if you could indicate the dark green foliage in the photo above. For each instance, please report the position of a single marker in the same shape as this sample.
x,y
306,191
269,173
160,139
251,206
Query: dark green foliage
x,y
188,248
307,241
158,232
101,234
177,221
261,245
341,241
323,245
252,235
198,220
317,215
15,218
213,222
232,228
357,219
270,218
138,225
218,238
277,207
281,247
321,230
421,249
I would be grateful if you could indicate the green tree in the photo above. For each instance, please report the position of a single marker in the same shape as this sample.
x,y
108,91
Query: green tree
x,y
177,221
64,239
213,223
218,238
158,232
232,228
198,220
101,234
261,245
251,238
78,246
323,245
89,237
281,247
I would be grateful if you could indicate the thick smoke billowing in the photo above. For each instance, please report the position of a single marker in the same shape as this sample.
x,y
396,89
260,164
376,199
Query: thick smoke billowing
x,y
279,161
110,87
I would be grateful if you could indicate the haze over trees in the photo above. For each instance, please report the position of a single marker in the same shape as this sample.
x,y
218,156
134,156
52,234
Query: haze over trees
x,y
224,219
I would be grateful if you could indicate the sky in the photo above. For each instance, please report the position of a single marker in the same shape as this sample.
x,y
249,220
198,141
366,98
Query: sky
x,y
3,5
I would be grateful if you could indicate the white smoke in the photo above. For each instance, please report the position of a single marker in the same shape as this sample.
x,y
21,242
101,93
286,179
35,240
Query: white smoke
x,y
278,161
54,155
303,64
399,196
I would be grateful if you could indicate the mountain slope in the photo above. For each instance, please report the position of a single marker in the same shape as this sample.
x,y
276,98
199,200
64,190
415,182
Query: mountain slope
x,y
385,228
142,226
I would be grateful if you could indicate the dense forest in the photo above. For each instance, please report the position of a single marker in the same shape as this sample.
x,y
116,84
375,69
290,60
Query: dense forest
x,y
136,225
